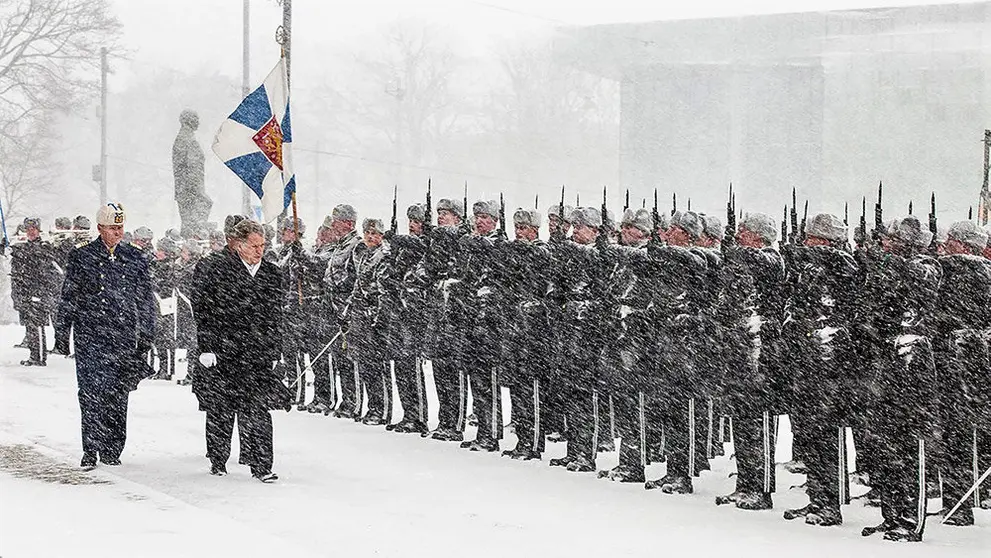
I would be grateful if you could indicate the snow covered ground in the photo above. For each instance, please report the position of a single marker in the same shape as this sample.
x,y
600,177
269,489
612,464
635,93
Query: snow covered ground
x,y
349,489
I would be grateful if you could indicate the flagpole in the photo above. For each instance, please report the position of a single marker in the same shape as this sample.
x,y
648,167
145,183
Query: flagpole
x,y
284,38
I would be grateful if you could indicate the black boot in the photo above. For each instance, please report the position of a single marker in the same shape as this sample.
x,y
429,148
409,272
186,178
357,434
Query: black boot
x,y
623,473
825,517
755,501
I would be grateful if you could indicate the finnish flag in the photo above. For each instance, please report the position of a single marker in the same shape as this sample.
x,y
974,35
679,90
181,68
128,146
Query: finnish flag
x,y
256,143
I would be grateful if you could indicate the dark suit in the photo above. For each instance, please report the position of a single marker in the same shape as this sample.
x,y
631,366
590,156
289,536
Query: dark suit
x,y
237,319
107,300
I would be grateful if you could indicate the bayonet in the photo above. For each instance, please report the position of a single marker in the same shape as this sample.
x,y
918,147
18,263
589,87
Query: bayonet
x,y
394,226
626,204
428,214
932,214
502,217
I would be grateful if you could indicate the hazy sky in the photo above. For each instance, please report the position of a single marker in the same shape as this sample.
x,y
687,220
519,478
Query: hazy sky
x,y
197,34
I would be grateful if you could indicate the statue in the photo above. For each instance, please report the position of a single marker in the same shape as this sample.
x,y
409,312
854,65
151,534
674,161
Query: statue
x,y
187,167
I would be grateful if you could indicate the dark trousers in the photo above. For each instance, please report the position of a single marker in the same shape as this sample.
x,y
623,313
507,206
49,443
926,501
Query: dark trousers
x,y
323,391
753,442
378,385
255,434
963,464
580,403
630,408
412,391
451,395
525,393
901,480
486,402
343,367
821,445
37,343
104,421
680,429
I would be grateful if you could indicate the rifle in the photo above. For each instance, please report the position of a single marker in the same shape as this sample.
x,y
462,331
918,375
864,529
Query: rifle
x,y
578,200
603,240
793,237
427,215
784,226
805,218
465,226
910,208
970,215
394,226
536,202
730,233
674,203
502,217
689,204
846,213
655,238
932,214
626,205
878,214
862,233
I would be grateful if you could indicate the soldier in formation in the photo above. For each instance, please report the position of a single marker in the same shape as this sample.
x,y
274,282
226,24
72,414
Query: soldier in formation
x,y
661,333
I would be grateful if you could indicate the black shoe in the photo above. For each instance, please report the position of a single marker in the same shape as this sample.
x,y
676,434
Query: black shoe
x,y
795,513
483,445
266,478
755,501
657,483
447,435
372,420
884,526
581,464
824,517
88,462
32,362
522,453
561,461
731,498
903,534
606,446
622,473
112,461
218,470
678,485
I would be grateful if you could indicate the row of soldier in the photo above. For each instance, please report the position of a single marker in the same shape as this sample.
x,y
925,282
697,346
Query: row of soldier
x,y
653,333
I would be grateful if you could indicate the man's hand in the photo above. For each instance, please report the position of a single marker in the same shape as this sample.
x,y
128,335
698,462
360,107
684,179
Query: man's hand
x,y
208,360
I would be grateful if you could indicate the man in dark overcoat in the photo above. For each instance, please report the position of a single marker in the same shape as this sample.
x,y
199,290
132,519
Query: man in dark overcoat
x,y
107,302
238,315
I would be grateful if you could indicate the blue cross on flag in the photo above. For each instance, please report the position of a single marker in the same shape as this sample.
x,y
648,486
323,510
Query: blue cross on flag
x,y
256,143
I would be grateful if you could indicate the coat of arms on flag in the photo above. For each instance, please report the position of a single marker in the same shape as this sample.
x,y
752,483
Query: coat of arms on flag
x,y
255,142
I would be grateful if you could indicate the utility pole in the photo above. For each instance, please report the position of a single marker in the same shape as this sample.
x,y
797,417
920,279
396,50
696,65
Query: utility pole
x,y
104,69
245,88
984,205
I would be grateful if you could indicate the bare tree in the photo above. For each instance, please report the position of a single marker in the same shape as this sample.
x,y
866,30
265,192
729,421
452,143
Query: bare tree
x,y
49,55
49,59
26,166
553,123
